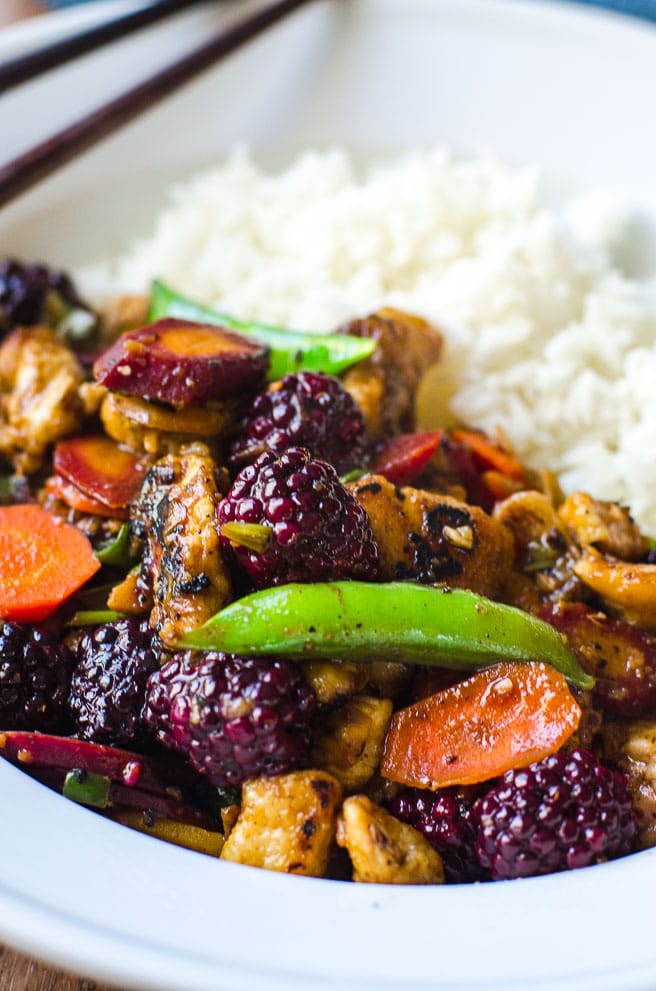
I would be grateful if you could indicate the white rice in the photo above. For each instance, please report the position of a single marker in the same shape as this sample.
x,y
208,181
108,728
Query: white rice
x,y
545,337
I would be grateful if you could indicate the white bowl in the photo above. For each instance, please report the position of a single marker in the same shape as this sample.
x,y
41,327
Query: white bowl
x,y
558,86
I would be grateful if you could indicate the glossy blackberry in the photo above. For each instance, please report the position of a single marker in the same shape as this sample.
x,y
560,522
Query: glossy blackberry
x,y
35,675
308,410
108,689
28,292
318,532
233,718
445,819
561,813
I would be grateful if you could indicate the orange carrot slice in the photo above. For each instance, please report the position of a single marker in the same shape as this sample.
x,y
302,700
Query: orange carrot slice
x,y
503,717
42,562
70,494
499,485
489,455
101,469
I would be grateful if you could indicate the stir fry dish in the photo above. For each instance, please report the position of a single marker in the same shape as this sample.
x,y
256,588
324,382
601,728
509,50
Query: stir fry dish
x,y
248,607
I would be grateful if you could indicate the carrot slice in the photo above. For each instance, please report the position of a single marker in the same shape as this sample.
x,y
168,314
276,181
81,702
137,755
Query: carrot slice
x,y
501,486
42,562
101,469
489,455
70,494
503,717
402,459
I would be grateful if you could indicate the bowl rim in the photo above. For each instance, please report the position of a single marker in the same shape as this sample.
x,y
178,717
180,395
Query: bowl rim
x,y
36,923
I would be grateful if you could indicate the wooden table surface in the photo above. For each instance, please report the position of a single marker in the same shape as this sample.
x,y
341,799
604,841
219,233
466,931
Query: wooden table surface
x,y
17,972
20,973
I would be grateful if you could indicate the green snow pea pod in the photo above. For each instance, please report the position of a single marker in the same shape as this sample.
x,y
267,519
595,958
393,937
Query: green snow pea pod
x,y
117,553
87,789
290,350
95,617
398,621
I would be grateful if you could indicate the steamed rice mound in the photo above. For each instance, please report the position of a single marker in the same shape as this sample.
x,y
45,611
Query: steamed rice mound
x,y
545,338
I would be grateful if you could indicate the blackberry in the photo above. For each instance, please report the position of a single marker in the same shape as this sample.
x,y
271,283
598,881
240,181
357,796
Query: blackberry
x,y
35,675
445,819
560,813
28,294
233,718
108,689
316,529
308,410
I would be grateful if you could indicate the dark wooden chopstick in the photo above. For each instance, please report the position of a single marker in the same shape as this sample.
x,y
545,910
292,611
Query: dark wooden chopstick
x,y
20,70
45,158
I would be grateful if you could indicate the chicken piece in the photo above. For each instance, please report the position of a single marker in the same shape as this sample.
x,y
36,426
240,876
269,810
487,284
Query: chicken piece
x,y
631,747
39,398
333,681
384,386
606,525
131,596
286,823
529,516
521,591
384,850
544,551
433,538
349,741
135,594
184,563
627,590
389,678
193,581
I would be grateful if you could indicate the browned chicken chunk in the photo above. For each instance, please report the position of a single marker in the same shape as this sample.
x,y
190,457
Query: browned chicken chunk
x,y
626,590
433,538
384,850
606,525
39,398
287,823
183,560
631,746
545,552
334,681
349,740
384,385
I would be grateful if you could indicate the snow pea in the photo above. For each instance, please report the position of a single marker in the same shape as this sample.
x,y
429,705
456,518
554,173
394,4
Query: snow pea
x,y
87,789
401,621
95,617
117,553
290,350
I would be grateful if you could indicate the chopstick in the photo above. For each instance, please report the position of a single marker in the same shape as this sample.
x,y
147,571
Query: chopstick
x,y
20,70
40,161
